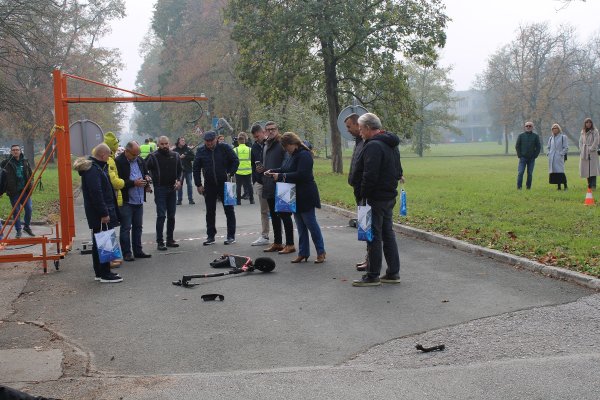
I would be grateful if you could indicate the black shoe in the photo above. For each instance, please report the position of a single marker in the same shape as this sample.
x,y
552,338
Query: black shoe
x,y
245,197
209,241
192,202
239,203
366,280
28,231
179,203
142,255
172,243
111,279
389,278
251,201
161,246
229,241
128,257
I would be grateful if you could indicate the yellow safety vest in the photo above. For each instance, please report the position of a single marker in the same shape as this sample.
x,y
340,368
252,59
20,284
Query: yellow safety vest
x,y
243,153
145,150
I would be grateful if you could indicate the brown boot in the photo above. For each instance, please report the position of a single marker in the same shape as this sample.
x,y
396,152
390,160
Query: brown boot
x,y
274,247
289,248
320,258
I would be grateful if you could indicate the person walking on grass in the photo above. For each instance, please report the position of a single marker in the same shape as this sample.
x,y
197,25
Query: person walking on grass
x,y
558,147
380,171
588,156
528,149
18,172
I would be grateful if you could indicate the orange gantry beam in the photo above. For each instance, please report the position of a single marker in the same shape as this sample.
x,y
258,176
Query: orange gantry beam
x,y
63,143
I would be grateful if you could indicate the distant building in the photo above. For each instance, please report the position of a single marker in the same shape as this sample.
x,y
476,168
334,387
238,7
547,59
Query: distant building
x,y
475,120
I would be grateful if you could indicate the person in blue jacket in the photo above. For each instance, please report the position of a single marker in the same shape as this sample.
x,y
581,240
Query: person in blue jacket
x,y
299,170
217,162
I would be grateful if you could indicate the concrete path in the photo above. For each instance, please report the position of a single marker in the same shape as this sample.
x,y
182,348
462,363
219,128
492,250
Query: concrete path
x,y
302,331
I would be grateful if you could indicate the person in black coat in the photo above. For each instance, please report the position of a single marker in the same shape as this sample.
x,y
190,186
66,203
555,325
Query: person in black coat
x,y
379,170
99,202
186,155
256,155
217,162
299,170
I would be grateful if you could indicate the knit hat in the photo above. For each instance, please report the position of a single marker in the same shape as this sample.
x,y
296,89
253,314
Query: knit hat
x,y
112,141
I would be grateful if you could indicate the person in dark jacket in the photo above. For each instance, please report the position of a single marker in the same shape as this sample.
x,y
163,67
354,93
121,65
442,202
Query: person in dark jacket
x,y
18,172
256,154
299,170
351,123
217,162
165,168
528,148
186,155
99,202
132,169
273,158
379,169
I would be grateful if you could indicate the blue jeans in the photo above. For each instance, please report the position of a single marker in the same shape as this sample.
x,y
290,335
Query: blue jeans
x,y
22,204
187,177
305,222
165,199
211,194
383,234
529,163
132,217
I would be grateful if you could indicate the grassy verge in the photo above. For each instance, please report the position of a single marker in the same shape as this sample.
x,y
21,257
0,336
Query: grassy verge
x,y
475,199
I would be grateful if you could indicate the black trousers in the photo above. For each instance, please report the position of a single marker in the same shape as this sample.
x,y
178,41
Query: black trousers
x,y
288,225
100,269
244,181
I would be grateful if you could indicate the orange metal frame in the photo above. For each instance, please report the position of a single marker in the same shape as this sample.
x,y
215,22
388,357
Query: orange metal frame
x,y
66,228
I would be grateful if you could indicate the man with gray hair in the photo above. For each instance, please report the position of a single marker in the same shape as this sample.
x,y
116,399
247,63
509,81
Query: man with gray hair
x,y
378,168
165,168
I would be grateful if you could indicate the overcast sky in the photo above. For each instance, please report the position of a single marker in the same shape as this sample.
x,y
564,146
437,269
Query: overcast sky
x,y
478,28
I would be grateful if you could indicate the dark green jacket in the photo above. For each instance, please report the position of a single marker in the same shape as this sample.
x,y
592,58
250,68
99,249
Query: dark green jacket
x,y
528,145
11,174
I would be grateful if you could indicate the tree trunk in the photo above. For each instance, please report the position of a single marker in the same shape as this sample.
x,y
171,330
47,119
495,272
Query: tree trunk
x,y
29,150
505,139
333,109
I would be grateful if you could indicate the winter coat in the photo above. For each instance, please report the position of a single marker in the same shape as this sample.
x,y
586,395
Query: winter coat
x,y
557,148
215,165
186,162
588,158
256,154
358,145
10,166
299,170
378,169
117,183
273,156
124,169
528,145
164,169
98,195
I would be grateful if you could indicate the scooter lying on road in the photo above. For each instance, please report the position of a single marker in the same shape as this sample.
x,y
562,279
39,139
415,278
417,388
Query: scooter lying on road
x,y
237,265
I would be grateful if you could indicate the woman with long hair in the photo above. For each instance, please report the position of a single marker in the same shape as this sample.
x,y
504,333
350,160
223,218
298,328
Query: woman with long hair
x,y
558,147
588,158
299,170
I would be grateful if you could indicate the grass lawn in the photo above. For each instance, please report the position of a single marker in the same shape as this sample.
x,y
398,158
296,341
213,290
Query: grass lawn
x,y
474,198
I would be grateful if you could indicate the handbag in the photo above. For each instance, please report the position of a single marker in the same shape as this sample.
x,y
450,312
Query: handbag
x,y
108,245
229,194
402,203
285,197
364,223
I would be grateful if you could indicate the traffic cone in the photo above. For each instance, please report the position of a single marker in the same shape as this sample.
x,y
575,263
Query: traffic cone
x,y
589,200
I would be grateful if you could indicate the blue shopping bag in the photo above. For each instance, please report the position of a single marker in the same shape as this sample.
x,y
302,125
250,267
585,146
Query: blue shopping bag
x,y
229,195
108,245
403,203
285,197
365,229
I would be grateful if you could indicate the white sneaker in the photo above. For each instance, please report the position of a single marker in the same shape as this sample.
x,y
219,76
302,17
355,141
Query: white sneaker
x,y
261,241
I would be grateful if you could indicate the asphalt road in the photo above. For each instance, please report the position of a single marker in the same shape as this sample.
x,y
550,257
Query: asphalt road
x,y
305,322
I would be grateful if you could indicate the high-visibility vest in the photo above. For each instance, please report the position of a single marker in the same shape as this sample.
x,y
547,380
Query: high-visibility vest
x,y
145,149
243,153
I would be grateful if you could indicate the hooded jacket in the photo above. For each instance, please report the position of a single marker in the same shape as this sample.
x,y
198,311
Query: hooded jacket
x,y
117,183
98,195
378,169
214,164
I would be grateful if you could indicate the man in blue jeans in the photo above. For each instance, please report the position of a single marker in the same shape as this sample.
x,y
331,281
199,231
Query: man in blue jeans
x,y
528,148
379,169
18,172
165,168
132,170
